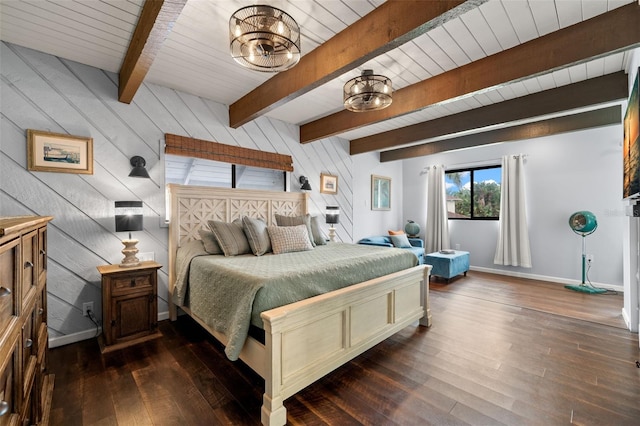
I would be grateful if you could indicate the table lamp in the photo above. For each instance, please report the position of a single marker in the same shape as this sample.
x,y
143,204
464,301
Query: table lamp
x,y
332,217
129,218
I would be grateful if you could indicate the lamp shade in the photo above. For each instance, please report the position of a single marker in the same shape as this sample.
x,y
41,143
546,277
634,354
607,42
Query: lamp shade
x,y
128,216
332,214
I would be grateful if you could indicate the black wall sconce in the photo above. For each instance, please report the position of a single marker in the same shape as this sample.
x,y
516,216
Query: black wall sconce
x,y
305,184
138,170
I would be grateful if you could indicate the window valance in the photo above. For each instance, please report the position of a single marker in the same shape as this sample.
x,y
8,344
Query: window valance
x,y
198,148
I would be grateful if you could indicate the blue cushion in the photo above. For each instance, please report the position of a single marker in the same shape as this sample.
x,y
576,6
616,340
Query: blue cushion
x,y
377,241
416,246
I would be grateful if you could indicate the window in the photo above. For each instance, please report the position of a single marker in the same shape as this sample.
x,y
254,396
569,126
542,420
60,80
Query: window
x,y
477,201
197,171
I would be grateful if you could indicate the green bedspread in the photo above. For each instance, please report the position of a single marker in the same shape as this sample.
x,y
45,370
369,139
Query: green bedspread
x,y
229,293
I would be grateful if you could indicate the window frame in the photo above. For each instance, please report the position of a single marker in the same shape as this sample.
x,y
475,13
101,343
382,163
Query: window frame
x,y
471,171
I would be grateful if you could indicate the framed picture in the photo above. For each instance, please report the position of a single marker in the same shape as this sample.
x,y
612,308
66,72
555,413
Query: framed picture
x,y
380,193
328,184
55,152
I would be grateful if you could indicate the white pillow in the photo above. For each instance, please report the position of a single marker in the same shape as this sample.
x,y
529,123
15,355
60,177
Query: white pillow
x,y
287,239
282,220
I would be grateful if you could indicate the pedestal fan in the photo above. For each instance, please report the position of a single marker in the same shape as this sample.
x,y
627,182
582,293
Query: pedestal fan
x,y
584,223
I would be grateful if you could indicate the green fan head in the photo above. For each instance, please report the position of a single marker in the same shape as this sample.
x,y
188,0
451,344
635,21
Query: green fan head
x,y
583,222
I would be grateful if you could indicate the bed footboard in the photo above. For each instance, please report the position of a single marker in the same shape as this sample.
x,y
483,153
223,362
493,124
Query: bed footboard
x,y
306,340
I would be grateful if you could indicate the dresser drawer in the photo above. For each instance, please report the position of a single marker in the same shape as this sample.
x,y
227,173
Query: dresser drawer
x,y
9,274
28,356
39,311
29,267
42,256
8,396
132,282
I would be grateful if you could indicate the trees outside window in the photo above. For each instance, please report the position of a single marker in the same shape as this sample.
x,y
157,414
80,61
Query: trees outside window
x,y
474,193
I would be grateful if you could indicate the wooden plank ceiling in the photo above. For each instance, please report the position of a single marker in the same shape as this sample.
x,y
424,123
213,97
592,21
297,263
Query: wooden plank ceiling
x,y
456,66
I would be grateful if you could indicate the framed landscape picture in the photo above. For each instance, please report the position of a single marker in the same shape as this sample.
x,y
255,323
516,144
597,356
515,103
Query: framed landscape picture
x,y
380,193
55,152
328,184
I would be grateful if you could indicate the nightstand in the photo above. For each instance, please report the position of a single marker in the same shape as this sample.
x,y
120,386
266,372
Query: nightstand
x,y
129,305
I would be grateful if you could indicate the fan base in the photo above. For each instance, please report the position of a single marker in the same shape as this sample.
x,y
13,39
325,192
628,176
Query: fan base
x,y
585,289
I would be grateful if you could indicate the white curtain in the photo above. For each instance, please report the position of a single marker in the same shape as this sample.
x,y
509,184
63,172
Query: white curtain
x,y
513,243
437,228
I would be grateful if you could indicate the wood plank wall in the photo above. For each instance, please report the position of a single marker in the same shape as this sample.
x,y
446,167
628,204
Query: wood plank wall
x,y
43,92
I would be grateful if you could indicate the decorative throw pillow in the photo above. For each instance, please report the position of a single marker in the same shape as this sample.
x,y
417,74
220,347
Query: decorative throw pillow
x,y
318,238
287,239
231,237
282,220
400,241
257,235
396,232
209,241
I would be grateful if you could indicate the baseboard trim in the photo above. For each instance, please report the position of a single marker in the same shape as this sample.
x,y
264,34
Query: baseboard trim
x,y
557,280
627,320
68,339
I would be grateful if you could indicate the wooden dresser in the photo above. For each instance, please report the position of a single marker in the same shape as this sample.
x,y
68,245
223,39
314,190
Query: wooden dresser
x,y
25,386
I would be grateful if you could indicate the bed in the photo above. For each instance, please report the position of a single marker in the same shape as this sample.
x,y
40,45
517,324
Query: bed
x,y
307,339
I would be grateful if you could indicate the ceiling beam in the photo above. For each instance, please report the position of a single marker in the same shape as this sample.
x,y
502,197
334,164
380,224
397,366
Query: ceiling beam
x,y
585,120
608,88
154,25
392,24
613,31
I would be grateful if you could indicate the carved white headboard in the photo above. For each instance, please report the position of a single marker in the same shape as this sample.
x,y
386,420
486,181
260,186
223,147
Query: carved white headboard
x,y
193,206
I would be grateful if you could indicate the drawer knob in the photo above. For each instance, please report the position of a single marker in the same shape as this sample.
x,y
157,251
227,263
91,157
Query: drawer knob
x,y
4,291
40,311
28,264
4,408
28,343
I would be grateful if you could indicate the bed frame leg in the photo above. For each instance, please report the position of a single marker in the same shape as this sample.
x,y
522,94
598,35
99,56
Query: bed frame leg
x,y
424,294
273,412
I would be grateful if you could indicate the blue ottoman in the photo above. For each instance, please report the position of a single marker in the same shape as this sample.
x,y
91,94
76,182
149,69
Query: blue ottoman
x,y
448,266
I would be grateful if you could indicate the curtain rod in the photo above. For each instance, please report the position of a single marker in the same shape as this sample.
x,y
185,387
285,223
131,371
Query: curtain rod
x,y
471,163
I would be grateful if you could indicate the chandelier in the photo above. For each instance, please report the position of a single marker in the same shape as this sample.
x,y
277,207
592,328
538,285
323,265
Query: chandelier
x,y
264,38
368,92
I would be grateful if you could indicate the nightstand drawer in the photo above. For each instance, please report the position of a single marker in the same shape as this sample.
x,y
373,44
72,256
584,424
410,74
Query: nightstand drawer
x,y
131,282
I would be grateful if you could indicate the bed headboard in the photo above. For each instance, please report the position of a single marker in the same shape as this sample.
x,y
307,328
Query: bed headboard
x,y
193,206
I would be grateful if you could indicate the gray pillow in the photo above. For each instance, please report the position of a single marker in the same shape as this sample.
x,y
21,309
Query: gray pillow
x,y
400,241
231,237
257,235
318,238
209,241
282,220
287,239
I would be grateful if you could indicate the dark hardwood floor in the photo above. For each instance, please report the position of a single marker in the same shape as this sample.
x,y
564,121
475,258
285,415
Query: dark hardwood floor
x,y
501,350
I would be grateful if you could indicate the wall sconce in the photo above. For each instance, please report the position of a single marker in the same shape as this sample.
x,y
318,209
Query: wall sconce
x,y
305,183
138,170
332,217
129,218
